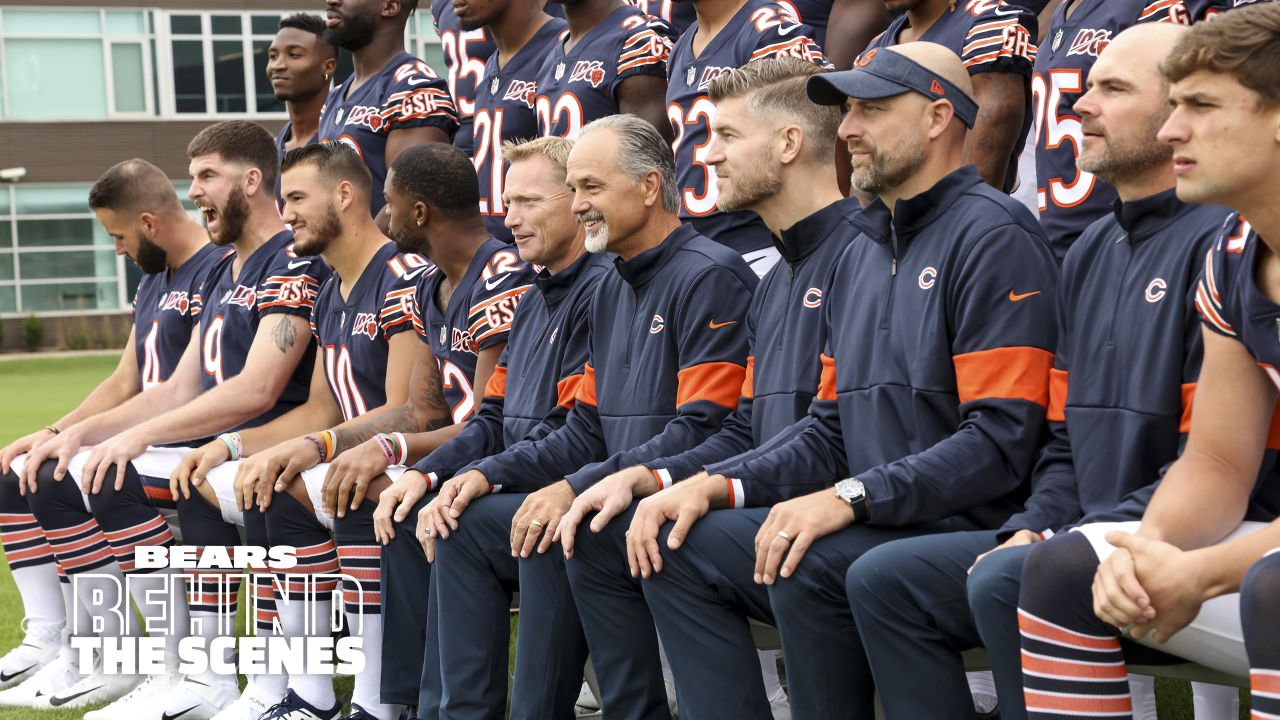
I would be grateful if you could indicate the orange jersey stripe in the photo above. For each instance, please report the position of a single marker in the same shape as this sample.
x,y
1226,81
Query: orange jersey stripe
x,y
567,390
718,382
1037,665
749,380
1188,395
587,387
1010,372
496,387
1057,396
1082,704
827,384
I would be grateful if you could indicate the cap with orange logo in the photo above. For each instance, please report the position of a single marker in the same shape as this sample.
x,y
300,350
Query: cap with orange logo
x,y
880,74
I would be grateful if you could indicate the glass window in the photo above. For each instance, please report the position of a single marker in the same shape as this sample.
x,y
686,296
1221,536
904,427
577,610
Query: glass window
x,y
266,98
50,199
184,24
132,276
38,71
52,22
52,233
228,76
6,234
70,296
6,266
188,76
126,23
8,300
225,24
4,200
265,24
75,263
129,77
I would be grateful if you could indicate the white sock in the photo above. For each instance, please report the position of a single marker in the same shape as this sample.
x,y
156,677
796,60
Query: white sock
x,y
1143,690
273,684
315,689
366,693
982,686
1215,702
76,612
162,602
769,670
212,615
42,600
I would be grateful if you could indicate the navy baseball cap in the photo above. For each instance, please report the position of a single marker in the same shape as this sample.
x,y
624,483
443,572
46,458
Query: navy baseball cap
x,y
884,74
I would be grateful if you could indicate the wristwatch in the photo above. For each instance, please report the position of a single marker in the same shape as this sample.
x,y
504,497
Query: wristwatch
x,y
851,491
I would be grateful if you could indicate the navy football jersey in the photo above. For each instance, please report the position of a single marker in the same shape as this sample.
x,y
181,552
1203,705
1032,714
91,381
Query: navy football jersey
x,y
677,14
164,314
478,317
352,335
1202,9
404,94
504,111
464,55
272,280
581,85
1069,198
760,29
989,36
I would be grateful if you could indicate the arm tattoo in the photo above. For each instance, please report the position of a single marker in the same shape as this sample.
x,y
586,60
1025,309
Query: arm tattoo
x,y
399,420
285,334
431,413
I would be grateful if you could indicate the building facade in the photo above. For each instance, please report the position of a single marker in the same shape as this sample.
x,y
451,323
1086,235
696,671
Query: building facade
x,y
83,87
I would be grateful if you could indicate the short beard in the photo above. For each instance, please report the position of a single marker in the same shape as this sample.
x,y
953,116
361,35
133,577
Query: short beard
x,y
748,191
320,234
407,242
234,217
597,240
151,258
355,33
889,170
1127,160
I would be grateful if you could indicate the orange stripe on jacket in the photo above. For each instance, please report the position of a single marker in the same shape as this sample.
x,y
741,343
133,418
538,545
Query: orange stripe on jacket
x,y
749,380
1188,395
567,390
587,387
1082,704
718,382
497,385
827,383
1057,396
1011,372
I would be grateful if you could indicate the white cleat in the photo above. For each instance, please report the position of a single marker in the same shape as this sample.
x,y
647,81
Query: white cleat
x,y
253,702
22,662
193,699
53,678
94,689
144,702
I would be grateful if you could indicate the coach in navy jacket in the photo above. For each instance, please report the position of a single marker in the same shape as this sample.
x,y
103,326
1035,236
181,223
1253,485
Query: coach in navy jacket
x,y
932,396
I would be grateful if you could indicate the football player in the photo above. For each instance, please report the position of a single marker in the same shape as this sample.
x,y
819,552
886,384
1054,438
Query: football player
x,y
464,55
299,65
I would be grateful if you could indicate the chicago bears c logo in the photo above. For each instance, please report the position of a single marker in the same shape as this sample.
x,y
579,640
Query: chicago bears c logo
x,y
813,298
656,325
1156,290
928,277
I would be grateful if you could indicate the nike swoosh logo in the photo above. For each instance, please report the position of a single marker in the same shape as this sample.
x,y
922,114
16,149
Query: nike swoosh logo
x,y
1006,11
414,274
491,284
60,700
1015,298
419,81
296,265
167,716
716,326
6,677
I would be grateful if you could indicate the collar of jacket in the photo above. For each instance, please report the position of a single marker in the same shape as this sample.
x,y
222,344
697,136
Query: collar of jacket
x,y
556,287
1148,216
640,269
800,240
913,214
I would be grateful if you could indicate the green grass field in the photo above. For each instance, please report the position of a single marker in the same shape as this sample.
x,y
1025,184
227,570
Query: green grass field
x,y
35,391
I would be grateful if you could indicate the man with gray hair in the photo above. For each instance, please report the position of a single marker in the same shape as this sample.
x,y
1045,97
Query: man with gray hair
x,y
668,349
774,154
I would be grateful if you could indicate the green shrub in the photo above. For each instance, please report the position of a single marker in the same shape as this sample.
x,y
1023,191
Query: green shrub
x,y
32,332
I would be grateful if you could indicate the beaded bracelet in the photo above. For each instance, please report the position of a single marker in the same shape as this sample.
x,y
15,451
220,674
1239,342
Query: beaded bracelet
x,y
403,458
232,448
387,448
319,445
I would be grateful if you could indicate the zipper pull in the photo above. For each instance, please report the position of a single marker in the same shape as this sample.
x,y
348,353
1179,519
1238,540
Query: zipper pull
x,y
893,268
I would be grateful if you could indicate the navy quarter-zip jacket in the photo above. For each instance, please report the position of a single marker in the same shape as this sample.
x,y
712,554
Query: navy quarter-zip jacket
x,y
537,376
787,333
936,378
668,349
